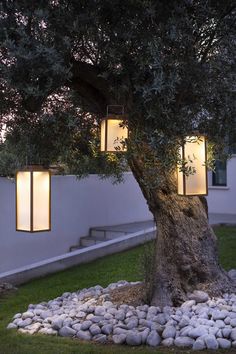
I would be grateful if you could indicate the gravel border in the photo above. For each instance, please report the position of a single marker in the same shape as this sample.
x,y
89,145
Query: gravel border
x,y
199,323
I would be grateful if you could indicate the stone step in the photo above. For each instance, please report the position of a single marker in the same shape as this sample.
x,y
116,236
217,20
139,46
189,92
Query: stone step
x,y
89,241
104,234
76,247
113,231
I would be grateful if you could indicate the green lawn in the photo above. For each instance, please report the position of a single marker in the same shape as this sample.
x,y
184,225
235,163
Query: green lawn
x,y
227,246
103,271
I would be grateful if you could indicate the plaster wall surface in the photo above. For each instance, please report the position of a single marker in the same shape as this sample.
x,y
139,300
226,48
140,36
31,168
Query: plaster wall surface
x,y
77,205
222,200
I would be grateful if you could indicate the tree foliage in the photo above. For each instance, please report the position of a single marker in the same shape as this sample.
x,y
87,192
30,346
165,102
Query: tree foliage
x,y
61,136
171,64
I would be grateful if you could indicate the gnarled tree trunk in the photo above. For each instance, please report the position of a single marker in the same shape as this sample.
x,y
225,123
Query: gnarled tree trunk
x,y
186,255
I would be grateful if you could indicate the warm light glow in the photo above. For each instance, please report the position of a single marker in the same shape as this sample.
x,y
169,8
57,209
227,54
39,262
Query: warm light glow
x,y
194,153
33,200
23,201
41,200
112,135
103,135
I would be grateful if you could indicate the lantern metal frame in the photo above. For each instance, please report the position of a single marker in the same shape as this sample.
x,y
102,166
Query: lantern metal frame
x,y
112,116
33,168
183,175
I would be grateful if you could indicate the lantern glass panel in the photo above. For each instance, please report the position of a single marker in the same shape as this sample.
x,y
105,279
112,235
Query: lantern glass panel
x,y
103,135
113,135
194,152
33,200
23,201
180,176
41,200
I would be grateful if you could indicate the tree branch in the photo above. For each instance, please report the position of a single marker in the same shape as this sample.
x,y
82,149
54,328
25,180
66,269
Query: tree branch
x,y
90,86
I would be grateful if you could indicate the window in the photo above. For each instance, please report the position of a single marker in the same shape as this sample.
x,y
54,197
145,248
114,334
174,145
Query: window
x,y
219,177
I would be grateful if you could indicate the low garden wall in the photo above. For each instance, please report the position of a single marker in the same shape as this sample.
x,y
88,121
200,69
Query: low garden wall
x,y
77,205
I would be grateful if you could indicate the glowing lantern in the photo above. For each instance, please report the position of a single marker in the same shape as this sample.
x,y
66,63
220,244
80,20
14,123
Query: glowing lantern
x,y
193,152
33,199
113,134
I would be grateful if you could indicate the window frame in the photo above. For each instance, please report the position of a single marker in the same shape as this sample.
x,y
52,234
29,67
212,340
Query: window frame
x,y
215,180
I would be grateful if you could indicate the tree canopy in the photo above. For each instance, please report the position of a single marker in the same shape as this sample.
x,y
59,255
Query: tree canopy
x,y
171,64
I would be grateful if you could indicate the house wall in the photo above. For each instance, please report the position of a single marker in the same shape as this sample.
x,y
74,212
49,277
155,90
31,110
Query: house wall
x,y
77,205
223,199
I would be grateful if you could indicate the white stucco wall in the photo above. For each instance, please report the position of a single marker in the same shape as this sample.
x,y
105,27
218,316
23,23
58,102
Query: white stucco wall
x,y
77,205
223,199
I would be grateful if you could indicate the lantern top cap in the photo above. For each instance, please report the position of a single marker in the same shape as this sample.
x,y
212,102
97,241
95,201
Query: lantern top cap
x,y
115,110
197,133
194,135
33,167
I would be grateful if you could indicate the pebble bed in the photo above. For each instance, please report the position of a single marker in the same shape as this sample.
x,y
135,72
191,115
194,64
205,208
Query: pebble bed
x,y
88,314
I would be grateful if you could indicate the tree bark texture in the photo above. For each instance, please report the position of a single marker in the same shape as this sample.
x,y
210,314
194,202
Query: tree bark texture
x,y
186,256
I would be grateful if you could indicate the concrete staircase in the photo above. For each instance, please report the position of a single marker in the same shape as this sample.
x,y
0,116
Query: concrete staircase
x,y
98,235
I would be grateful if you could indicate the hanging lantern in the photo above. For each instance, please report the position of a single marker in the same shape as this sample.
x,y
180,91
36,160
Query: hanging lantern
x,y
33,199
194,153
113,134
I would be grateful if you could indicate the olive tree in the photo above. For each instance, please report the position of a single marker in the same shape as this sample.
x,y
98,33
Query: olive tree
x,y
171,64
